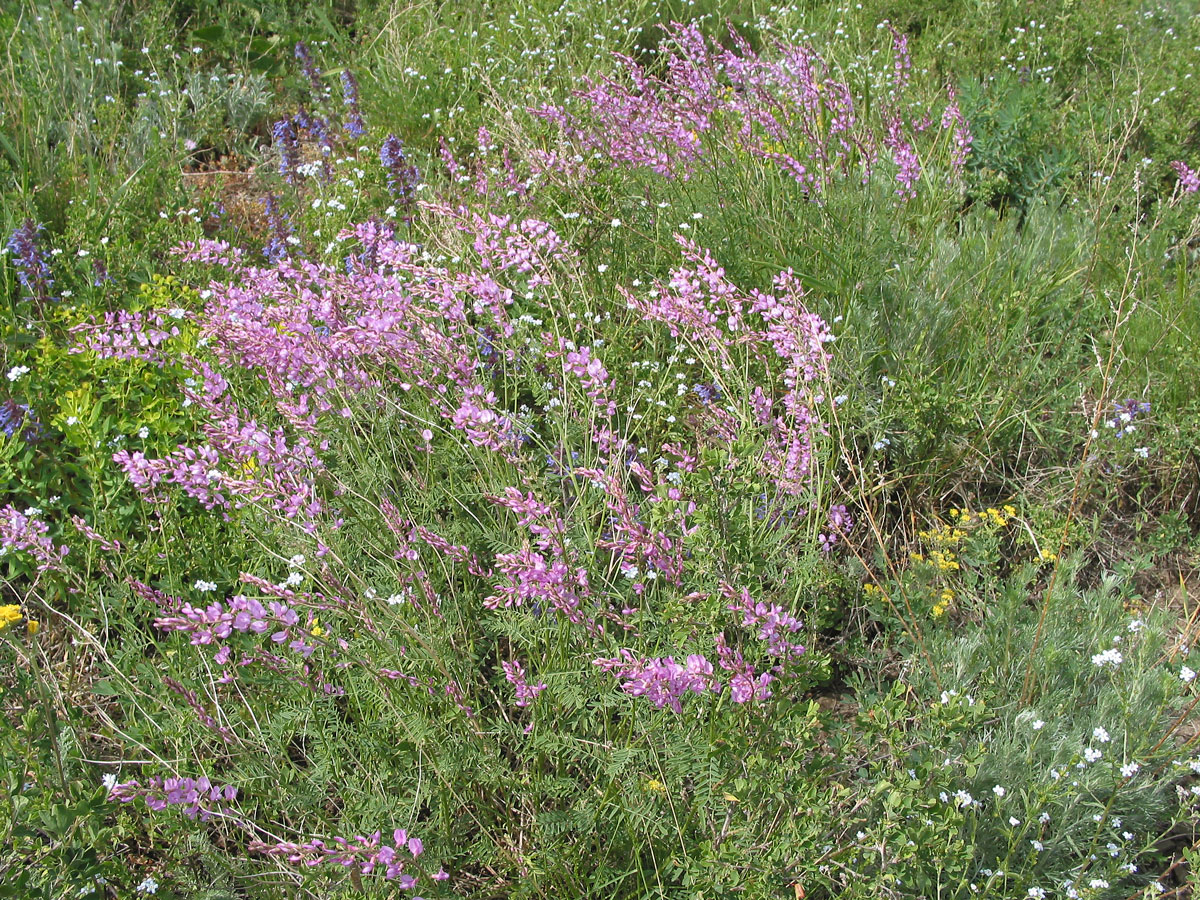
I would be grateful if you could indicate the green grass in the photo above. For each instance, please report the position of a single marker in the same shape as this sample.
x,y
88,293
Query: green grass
x,y
984,330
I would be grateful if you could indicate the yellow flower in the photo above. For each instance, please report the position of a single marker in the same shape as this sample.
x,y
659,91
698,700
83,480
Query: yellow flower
x,y
32,626
1047,556
316,630
655,785
9,616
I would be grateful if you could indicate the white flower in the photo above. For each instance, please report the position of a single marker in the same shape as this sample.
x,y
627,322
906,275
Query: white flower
x,y
205,586
17,371
962,799
1037,893
296,561
109,781
1044,818
616,223
294,579
143,432
1100,734
1129,770
1186,675
148,885
1091,754
1039,725
1014,821
1143,452
1108,657
1097,883
999,791
1037,845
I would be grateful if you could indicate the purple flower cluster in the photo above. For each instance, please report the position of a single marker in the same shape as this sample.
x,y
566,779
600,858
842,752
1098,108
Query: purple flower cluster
x,y
131,335
33,269
514,674
840,523
771,622
735,99
309,67
402,176
199,797
700,305
1189,179
541,581
366,852
216,622
278,245
354,124
24,531
664,681
952,117
288,144
18,418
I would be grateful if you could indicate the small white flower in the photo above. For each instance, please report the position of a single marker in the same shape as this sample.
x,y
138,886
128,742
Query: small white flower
x,y
616,223
1098,883
17,371
999,791
1044,818
1143,452
206,586
148,885
109,781
1091,754
1039,725
1108,657
294,579
1037,845
1037,893
143,432
296,561
1129,770
1014,821
1187,675
1100,734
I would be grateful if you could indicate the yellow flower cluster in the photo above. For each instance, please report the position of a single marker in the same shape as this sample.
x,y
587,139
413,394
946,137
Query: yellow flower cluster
x,y
943,603
990,516
11,614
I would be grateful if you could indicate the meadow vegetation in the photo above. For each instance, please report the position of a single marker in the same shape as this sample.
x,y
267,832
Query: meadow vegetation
x,y
627,450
